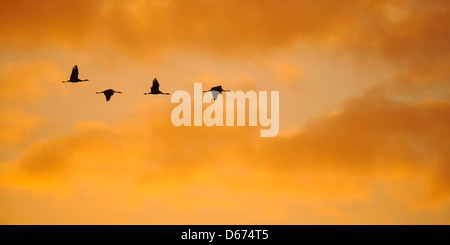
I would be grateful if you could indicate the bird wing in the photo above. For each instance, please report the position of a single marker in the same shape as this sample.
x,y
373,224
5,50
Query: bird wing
x,y
155,86
215,94
108,96
74,75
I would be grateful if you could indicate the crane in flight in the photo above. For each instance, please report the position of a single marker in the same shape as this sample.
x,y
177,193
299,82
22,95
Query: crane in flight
x,y
155,88
216,91
108,93
74,76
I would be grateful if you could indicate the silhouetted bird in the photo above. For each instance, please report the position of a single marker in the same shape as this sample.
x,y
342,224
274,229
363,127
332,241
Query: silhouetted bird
x,y
155,88
216,91
108,93
74,76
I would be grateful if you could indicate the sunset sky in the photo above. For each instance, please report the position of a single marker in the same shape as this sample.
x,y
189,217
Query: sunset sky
x,y
364,112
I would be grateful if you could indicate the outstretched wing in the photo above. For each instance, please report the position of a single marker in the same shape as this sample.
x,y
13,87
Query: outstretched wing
x,y
108,96
155,86
74,75
215,94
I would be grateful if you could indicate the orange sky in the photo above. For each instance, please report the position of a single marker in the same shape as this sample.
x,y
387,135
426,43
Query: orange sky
x,y
364,112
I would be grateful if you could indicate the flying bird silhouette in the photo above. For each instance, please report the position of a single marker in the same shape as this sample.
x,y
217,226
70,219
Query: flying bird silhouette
x,y
74,76
155,88
216,91
108,93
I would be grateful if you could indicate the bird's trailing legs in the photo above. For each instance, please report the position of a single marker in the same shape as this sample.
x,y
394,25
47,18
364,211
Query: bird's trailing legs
x,y
68,81
157,93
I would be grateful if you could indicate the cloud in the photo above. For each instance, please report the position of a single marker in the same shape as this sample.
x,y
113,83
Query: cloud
x,y
413,38
376,138
377,153
410,34
23,85
288,74
34,25
16,125
342,159
145,28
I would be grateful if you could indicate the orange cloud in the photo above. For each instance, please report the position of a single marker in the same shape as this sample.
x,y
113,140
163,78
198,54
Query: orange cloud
x,y
341,159
381,153
146,28
23,85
